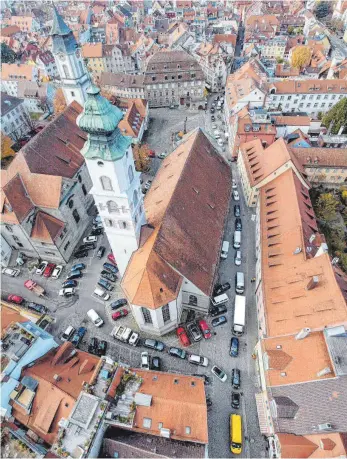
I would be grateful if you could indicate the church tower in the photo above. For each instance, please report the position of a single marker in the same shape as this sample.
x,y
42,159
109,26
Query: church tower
x,y
116,184
73,74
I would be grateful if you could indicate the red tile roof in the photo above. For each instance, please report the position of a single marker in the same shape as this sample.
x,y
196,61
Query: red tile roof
x,y
46,227
18,198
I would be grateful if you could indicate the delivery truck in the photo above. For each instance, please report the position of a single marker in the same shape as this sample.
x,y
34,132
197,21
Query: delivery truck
x,y
239,315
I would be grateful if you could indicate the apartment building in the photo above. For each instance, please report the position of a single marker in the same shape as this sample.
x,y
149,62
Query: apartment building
x,y
122,85
14,117
311,96
104,58
212,60
274,48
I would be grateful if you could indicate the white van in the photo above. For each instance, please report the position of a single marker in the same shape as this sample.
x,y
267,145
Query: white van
x,y
95,318
101,293
126,334
239,282
220,299
67,333
237,239
225,250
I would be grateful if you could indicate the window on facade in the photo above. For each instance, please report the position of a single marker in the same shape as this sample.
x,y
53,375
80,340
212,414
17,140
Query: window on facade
x,y
20,244
131,173
112,207
84,190
9,228
106,183
135,199
193,300
72,93
123,225
66,245
100,163
66,71
147,316
165,310
81,67
76,216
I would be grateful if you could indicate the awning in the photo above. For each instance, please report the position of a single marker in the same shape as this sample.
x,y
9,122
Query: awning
x,y
262,416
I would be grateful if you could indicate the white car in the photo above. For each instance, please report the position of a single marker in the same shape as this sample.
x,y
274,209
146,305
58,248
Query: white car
x,y
68,291
144,361
198,360
219,373
134,339
90,239
42,266
233,184
57,271
238,258
162,155
148,184
13,272
236,195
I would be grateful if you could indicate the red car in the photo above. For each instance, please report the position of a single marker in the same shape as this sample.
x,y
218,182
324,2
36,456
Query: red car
x,y
119,314
111,258
151,154
49,270
182,334
206,332
15,299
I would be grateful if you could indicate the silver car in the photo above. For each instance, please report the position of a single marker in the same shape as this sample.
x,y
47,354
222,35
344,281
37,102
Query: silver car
x,y
238,258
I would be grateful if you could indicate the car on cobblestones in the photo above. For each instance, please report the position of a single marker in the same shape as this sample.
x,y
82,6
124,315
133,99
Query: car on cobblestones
x,y
194,332
101,252
219,373
15,299
109,276
12,272
49,270
89,239
198,360
221,288
219,321
69,283
119,314
217,310
105,284
205,329
41,267
144,361
234,347
111,258
154,344
236,378
119,303
238,224
40,308
57,271
183,337
238,258
78,267
81,254
70,291
176,352
78,336
110,267
156,363
235,400
74,275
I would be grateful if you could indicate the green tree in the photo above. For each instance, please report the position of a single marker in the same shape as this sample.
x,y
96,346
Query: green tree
x,y
279,60
290,30
8,56
326,207
141,157
301,56
336,115
322,9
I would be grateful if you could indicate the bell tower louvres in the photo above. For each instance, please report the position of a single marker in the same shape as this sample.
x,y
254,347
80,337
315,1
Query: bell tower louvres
x,y
72,71
116,184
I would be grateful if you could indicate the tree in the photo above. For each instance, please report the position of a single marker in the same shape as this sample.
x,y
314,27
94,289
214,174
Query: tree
x,y
141,157
8,56
279,60
322,9
6,147
326,207
59,102
290,30
336,115
301,56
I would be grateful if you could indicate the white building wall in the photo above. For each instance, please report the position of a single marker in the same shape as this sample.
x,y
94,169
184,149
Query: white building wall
x,y
311,103
6,251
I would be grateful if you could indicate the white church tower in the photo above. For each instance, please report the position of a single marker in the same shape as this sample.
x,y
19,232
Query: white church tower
x,y
72,71
116,184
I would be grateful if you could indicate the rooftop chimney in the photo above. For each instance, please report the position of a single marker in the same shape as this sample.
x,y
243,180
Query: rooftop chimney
x,y
303,333
324,372
312,283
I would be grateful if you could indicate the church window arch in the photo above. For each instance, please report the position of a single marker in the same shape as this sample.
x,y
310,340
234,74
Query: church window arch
x,y
106,183
112,207
66,71
131,173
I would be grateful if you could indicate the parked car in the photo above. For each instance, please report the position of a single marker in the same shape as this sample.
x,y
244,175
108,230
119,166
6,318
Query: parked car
x,y
74,275
194,332
235,400
66,335
238,258
109,267
40,308
101,252
69,283
219,321
144,361
236,195
176,352
219,373
238,224
237,211
233,184
149,183
81,254
109,276
221,288
78,267
213,118
97,220
12,272
42,266
15,299
207,379
105,284
97,226
154,344
162,156
234,347
90,239
236,378
151,154
68,291
111,258
102,348
93,345
96,232
49,270
57,271
205,329
119,314
183,337
87,246
217,310
119,303
134,339
198,360
78,336
156,363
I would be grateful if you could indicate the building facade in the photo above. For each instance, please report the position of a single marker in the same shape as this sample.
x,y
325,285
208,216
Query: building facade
x,y
14,117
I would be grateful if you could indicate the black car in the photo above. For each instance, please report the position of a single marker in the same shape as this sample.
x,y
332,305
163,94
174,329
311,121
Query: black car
x,y
236,378
156,363
234,347
119,303
105,284
237,210
219,321
213,118
238,224
37,307
207,379
81,254
102,348
221,288
110,267
235,400
93,345
101,250
217,310
87,246
154,344
96,232
74,275
109,276
177,352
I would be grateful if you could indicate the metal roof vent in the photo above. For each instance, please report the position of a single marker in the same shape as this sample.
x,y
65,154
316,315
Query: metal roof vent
x,y
326,426
297,251
323,372
303,333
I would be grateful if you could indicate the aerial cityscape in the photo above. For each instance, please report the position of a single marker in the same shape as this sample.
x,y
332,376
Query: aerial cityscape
x,y
173,228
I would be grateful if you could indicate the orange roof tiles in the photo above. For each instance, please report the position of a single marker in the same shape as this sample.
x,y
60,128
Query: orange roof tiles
x,y
92,50
289,120
310,87
312,446
329,157
8,71
18,198
295,446
46,228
